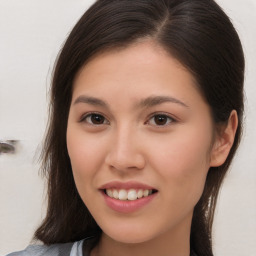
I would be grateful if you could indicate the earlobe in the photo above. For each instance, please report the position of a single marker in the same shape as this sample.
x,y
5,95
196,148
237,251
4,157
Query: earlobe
x,y
224,141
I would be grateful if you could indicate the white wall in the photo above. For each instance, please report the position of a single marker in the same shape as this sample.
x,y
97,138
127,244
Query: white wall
x,y
31,33
235,223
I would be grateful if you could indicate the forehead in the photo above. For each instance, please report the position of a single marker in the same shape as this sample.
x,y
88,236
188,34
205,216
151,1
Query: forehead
x,y
143,67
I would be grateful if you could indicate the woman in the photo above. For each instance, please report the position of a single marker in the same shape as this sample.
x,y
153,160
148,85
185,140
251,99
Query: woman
x,y
146,116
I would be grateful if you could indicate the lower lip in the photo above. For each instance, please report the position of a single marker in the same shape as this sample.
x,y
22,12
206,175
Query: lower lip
x,y
127,206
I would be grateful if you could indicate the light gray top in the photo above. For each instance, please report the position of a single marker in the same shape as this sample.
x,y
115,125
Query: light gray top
x,y
68,249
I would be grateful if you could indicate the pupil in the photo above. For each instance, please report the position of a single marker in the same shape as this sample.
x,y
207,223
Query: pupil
x,y
160,119
97,119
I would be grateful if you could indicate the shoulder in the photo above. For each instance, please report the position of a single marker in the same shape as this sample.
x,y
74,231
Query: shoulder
x,y
66,249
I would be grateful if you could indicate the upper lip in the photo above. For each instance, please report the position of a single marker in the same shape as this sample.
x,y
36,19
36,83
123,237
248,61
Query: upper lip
x,y
126,185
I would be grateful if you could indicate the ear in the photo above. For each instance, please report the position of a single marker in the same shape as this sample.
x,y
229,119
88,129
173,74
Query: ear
x,y
224,141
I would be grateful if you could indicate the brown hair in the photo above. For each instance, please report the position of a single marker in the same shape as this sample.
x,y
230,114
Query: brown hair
x,y
200,35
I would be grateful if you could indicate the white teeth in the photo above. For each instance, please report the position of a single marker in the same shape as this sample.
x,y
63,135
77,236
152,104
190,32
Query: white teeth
x,y
109,192
140,193
145,192
115,193
131,194
122,195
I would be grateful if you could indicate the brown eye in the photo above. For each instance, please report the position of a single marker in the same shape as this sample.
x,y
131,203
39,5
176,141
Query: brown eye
x,y
95,119
160,120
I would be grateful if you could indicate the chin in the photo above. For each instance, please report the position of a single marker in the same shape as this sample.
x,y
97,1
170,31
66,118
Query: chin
x,y
130,235
130,238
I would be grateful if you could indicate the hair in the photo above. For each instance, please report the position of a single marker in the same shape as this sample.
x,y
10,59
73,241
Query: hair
x,y
201,37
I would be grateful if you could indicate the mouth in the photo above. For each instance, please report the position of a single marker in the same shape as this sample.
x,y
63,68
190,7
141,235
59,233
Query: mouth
x,y
127,197
131,194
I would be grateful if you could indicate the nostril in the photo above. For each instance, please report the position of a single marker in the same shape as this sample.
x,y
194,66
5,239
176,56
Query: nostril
x,y
126,162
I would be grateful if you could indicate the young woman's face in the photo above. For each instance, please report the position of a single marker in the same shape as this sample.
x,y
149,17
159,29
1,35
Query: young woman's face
x,y
139,138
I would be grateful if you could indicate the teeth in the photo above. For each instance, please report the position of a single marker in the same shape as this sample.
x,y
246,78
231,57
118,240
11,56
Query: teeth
x,y
145,193
131,194
122,195
109,193
115,193
140,193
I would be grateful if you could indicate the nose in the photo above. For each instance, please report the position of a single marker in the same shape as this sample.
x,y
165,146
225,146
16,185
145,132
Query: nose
x,y
126,151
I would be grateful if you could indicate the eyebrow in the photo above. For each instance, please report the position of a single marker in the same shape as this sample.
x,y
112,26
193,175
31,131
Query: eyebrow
x,y
157,100
91,100
144,103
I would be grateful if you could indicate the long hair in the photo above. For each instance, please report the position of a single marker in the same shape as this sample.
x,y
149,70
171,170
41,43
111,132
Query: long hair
x,y
201,37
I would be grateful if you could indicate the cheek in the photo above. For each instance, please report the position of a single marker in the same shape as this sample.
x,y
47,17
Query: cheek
x,y
85,156
183,162
183,152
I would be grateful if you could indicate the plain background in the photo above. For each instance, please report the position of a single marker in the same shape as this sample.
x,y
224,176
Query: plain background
x,y
31,34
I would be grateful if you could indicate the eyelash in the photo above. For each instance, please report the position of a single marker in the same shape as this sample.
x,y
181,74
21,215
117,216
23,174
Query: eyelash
x,y
96,115
106,122
162,115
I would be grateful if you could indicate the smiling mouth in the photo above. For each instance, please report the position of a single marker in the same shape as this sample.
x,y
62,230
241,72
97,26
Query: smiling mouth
x,y
130,194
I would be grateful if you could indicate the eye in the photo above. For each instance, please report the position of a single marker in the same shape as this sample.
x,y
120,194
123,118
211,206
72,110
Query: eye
x,y
94,119
160,120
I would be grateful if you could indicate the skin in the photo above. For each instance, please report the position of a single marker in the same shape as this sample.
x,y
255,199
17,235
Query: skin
x,y
130,144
